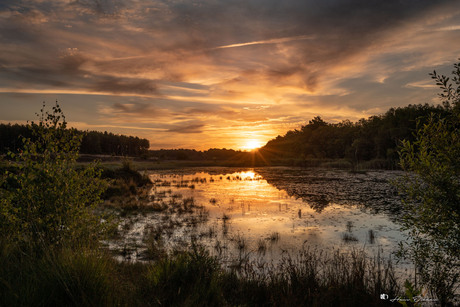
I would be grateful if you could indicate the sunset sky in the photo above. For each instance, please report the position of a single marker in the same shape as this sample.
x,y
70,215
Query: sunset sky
x,y
220,73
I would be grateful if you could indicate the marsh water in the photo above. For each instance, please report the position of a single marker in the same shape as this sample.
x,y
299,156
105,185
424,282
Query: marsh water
x,y
266,212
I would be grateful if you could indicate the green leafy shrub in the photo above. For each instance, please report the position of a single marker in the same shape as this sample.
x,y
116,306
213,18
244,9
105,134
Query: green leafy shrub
x,y
431,192
47,201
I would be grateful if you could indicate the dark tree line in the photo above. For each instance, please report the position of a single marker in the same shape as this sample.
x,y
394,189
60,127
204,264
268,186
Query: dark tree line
x,y
11,137
377,137
93,142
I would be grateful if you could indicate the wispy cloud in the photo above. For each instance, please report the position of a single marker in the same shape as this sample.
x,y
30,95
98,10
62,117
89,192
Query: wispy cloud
x,y
191,128
269,41
422,84
450,28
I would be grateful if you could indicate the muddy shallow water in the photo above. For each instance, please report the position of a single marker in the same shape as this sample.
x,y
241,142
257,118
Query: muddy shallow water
x,y
265,212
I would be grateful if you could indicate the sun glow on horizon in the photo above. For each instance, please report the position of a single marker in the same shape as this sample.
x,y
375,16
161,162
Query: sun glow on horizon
x,y
252,144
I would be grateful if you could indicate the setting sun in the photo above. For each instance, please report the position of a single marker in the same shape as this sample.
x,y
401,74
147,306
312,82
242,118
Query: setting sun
x,y
252,144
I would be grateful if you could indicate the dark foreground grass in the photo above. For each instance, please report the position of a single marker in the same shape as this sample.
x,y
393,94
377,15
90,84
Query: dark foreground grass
x,y
81,277
55,278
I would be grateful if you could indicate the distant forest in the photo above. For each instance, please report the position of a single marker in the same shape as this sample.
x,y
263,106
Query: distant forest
x,y
375,139
93,142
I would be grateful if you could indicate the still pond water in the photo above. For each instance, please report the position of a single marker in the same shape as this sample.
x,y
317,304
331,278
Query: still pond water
x,y
265,212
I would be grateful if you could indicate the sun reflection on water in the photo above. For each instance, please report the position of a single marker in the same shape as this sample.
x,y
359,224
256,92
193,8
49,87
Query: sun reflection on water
x,y
256,210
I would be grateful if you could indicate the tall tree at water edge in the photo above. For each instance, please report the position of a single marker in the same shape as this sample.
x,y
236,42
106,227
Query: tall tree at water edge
x,y
45,200
431,189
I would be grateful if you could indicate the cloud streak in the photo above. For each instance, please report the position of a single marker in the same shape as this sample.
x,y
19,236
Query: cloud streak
x,y
268,41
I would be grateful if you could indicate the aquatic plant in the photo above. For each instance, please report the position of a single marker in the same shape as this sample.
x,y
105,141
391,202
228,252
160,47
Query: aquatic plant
x,y
371,236
261,246
348,237
274,237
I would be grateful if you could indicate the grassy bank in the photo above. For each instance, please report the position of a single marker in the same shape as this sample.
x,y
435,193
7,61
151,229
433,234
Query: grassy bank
x,y
82,277
113,163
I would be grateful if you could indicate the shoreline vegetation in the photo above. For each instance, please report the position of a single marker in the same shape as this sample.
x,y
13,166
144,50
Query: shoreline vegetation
x,y
113,162
88,277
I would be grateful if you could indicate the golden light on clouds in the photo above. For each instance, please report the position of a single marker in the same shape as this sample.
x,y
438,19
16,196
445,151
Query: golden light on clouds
x,y
214,74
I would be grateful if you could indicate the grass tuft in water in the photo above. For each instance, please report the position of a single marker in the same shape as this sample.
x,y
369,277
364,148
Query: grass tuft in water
x,y
348,237
274,237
